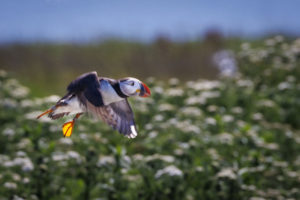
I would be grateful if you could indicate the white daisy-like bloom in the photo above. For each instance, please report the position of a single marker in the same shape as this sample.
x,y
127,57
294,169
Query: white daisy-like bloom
x,y
10,185
165,158
106,160
227,173
170,171
24,162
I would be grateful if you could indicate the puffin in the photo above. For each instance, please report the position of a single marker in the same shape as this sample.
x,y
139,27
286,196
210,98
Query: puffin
x,y
105,98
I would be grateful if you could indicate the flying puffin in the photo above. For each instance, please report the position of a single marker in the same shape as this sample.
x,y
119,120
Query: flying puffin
x,y
103,97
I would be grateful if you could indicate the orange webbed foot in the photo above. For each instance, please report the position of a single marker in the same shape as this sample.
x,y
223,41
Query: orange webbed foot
x,y
68,128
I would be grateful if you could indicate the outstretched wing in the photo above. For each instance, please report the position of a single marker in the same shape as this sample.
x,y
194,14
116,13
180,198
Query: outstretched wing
x,y
118,115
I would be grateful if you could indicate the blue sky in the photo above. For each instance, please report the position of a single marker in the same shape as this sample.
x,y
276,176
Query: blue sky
x,y
85,20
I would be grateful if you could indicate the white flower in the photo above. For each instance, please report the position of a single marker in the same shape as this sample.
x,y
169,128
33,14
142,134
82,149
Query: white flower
x,y
186,126
24,163
8,132
212,108
257,198
10,185
16,177
202,98
271,146
257,116
21,154
237,110
16,197
66,141
158,118
213,153
195,100
165,158
226,62
291,78
165,107
227,173
244,83
279,38
174,92
26,180
74,155
3,159
270,42
210,94
284,86
210,121
199,169
266,103
245,46
19,92
149,126
178,152
3,73
138,157
191,111
227,118
248,187
203,85
184,145
170,171
241,123
158,90
174,81
106,160
282,164
8,103
152,134
225,138
27,103
58,156
24,143
51,99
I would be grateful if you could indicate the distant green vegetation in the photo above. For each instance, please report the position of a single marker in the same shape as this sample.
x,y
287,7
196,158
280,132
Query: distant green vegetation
x,y
233,138
46,67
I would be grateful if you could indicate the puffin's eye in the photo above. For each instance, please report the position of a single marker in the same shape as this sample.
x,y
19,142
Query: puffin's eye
x,y
131,83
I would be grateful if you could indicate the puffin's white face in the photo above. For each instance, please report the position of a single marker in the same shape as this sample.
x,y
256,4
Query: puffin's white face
x,y
133,87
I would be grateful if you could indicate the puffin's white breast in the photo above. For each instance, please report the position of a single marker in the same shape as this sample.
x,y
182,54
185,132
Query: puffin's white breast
x,y
109,95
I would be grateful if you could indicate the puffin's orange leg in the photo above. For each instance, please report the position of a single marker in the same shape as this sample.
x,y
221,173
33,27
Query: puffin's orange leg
x,y
68,126
44,113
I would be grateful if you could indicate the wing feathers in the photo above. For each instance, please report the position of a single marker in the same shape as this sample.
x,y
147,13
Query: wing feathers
x,y
118,115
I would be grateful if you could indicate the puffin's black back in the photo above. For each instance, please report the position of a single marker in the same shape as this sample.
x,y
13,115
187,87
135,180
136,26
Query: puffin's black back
x,y
83,81
87,86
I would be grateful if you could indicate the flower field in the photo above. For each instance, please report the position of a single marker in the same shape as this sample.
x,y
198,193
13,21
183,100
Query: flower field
x,y
237,137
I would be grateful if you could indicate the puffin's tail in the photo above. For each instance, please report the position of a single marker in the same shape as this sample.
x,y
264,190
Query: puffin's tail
x,y
46,112
52,114
61,103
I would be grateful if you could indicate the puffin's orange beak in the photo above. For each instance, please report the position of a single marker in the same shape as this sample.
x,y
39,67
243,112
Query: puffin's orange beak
x,y
145,91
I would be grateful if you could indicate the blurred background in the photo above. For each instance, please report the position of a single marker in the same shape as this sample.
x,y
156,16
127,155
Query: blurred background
x,y
222,121
45,44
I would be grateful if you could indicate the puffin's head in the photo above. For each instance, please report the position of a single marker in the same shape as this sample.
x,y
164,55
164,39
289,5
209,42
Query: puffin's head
x,y
133,87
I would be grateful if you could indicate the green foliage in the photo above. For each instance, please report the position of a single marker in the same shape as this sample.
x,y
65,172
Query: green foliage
x,y
46,67
233,138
